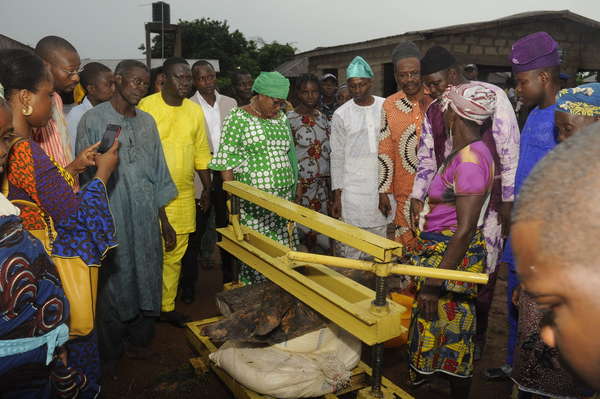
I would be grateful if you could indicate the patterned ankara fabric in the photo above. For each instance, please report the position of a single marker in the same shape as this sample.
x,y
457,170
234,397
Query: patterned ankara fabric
x,y
83,223
33,304
446,345
257,150
311,135
583,100
503,139
402,123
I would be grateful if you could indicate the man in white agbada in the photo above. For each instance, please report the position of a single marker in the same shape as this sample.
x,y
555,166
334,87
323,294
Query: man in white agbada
x,y
355,128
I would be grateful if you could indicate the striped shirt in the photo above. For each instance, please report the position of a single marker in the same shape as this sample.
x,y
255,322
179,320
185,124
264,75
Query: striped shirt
x,y
54,137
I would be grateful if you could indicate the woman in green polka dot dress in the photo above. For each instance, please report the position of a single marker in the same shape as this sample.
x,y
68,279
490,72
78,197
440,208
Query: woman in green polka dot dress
x,y
256,148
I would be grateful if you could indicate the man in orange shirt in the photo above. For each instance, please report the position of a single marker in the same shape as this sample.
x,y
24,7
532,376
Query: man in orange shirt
x,y
403,118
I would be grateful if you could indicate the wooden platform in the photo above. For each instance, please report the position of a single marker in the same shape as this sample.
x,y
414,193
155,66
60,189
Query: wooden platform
x,y
359,381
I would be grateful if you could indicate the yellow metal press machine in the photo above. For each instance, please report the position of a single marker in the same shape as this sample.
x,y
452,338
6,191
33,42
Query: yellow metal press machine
x,y
367,315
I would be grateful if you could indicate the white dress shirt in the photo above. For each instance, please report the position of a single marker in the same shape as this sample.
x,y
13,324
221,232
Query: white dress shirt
x,y
212,116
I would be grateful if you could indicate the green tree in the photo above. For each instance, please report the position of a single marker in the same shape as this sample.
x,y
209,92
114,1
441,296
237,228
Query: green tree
x,y
271,55
211,39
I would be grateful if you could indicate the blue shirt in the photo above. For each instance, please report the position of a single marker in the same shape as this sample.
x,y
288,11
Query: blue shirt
x,y
538,138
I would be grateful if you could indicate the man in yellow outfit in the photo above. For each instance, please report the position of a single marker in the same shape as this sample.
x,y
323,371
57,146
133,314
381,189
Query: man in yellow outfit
x,y
185,144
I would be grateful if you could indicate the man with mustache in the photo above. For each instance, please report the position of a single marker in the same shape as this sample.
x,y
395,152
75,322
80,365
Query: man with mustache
x,y
184,140
130,279
403,118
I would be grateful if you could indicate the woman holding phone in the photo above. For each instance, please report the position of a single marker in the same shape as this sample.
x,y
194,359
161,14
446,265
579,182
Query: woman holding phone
x,y
76,229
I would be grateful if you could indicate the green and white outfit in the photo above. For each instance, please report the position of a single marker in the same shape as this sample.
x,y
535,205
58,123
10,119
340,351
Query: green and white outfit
x,y
261,154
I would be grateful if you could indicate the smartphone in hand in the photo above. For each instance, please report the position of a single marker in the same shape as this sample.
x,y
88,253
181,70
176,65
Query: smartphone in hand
x,y
111,133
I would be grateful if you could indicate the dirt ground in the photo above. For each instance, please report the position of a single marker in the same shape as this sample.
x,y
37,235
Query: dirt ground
x,y
168,374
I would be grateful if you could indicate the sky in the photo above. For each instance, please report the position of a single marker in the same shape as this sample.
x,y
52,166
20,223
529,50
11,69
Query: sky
x,y
104,29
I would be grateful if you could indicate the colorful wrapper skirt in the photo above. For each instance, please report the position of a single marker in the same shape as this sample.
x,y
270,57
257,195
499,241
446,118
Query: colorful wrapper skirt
x,y
447,344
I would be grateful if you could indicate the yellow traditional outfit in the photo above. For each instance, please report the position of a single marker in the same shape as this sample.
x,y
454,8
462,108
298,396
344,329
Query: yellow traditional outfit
x,y
186,148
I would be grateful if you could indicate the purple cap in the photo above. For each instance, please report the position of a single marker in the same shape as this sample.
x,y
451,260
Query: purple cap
x,y
535,51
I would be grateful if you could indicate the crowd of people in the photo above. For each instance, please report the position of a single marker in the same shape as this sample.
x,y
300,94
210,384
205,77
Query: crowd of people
x,y
99,238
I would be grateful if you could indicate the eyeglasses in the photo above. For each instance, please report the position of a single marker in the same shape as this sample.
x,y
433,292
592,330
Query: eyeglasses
x,y
71,73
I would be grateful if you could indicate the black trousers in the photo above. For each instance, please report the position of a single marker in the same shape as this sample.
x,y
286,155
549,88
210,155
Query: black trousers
x,y
189,263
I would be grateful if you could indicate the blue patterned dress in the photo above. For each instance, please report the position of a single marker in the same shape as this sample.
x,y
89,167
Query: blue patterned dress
x,y
83,225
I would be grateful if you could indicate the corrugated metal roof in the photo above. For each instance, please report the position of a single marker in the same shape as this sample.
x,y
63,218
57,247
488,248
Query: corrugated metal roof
x,y
422,34
294,68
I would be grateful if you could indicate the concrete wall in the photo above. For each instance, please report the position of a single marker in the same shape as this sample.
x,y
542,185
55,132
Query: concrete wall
x,y
489,47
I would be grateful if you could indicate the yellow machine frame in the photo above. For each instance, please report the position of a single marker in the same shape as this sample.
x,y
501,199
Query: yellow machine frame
x,y
367,315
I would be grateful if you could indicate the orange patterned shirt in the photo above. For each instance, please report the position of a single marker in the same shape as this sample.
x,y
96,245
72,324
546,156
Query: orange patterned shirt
x,y
398,142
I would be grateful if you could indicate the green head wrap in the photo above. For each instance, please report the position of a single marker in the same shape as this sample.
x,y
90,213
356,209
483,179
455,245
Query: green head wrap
x,y
359,68
1,92
272,84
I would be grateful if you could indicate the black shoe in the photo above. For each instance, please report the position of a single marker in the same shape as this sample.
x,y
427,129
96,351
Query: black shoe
x,y
175,318
187,295
498,373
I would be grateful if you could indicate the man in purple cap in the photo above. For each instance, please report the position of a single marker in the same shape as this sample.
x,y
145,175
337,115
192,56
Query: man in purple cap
x,y
536,67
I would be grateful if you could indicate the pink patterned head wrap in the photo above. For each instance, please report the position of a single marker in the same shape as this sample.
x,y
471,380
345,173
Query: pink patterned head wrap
x,y
470,101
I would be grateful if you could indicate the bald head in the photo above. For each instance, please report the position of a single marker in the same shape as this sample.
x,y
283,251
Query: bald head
x,y
562,194
49,45
63,60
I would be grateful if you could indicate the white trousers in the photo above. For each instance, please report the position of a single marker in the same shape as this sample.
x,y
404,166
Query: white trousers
x,y
346,251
